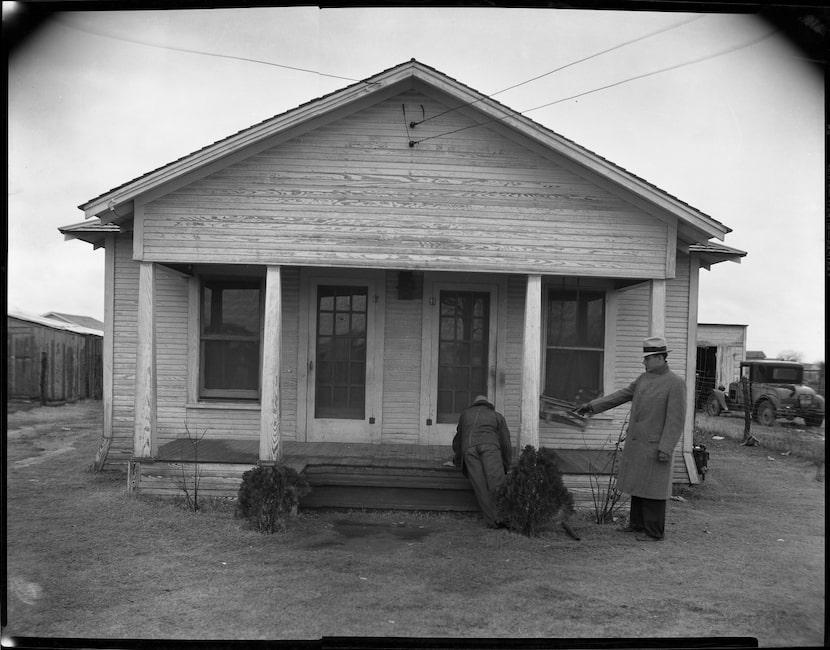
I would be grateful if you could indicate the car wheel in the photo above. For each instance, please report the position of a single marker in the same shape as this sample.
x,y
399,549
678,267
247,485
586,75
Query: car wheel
x,y
766,414
712,406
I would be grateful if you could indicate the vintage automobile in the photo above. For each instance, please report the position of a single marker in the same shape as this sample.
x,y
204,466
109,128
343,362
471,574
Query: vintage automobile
x,y
777,391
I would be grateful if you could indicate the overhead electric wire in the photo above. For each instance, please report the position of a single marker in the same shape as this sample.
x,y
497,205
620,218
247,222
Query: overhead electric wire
x,y
612,85
214,54
414,142
649,74
567,65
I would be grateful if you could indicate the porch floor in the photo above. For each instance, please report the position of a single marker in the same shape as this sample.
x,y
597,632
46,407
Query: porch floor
x,y
302,454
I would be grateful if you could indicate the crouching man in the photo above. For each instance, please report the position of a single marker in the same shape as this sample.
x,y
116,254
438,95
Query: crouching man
x,y
481,448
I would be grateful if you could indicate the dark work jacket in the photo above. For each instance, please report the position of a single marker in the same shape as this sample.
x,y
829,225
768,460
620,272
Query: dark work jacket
x,y
481,424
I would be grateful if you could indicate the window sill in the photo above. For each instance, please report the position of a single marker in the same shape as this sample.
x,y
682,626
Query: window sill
x,y
224,406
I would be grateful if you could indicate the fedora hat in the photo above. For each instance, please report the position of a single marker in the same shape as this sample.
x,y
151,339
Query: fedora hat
x,y
655,345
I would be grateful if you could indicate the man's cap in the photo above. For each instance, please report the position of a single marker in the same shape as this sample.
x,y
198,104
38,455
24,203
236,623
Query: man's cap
x,y
655,345
481,398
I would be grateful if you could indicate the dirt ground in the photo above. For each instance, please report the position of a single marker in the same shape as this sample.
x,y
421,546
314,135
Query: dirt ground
x,y
743,557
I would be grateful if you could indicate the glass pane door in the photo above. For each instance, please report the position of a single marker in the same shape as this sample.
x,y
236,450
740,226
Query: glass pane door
x,y
340,377
463,351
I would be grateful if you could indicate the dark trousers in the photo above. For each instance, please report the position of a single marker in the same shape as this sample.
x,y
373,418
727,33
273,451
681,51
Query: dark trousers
x,y
648,515
486,472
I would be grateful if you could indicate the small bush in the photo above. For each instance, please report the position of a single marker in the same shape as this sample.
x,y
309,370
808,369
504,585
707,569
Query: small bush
x,y
269,496
533,493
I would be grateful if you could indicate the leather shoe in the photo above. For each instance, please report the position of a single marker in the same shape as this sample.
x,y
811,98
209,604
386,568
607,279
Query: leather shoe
x,y
649,538
629,529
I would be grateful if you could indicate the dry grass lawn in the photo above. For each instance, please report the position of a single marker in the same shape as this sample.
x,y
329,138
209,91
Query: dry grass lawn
x,y
743,557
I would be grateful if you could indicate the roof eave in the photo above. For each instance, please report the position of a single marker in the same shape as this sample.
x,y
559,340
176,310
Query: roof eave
x,y
711,254
94,233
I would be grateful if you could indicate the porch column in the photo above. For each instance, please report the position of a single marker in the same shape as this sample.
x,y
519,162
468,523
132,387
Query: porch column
x,y
531,363
144,438
270,447
657,308
107,350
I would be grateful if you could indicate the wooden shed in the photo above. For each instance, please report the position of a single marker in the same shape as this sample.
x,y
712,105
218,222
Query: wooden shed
x,y
334,285
52,361
720,350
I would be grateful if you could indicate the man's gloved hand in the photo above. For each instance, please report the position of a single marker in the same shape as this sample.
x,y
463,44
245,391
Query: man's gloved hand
x,y
583,409
663,457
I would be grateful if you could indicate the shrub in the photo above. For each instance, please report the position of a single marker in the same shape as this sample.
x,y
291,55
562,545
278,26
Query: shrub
x,y
269,495
533,492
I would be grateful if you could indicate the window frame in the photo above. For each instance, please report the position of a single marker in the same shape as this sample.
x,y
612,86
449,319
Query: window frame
x,y
551,293
230,281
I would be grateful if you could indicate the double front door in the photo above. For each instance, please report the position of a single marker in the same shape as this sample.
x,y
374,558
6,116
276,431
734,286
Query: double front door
x,y
342,337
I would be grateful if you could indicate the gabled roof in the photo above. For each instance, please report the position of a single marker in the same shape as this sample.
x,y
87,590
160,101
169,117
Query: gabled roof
x,y
116,204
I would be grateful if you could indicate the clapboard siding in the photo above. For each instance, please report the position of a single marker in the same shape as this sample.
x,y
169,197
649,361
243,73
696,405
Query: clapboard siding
x,y
353,193
677,315
401,366
171,352
124,327
289,357
516,291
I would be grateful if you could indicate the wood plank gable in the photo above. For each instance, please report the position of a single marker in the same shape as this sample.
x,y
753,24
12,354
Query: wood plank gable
x,y
353,193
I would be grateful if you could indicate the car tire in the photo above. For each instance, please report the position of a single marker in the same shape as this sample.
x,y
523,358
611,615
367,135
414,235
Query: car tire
x,y
712,406
765,414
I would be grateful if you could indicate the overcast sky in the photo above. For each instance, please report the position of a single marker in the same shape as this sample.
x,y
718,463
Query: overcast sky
x,y
719,110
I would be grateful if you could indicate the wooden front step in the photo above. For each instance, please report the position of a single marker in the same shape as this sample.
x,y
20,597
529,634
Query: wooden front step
x,y
341,486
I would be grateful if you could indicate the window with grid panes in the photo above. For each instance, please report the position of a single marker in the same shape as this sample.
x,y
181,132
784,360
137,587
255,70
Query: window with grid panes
x,y
230,338
574,345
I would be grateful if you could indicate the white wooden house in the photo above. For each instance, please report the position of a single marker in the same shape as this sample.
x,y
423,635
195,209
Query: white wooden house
x,y
354,271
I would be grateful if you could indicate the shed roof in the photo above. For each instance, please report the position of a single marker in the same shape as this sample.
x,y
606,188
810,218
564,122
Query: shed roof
x,y
53,323
75,319
115,205
92,231
713,252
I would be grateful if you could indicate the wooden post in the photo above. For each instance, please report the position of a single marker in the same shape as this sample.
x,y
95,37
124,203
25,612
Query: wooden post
x,y
687,445
270,446
657,308
746,388
145,365
107,348
531,364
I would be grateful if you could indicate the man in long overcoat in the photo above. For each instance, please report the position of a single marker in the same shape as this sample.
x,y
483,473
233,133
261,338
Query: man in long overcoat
x,y
656,421
481,448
